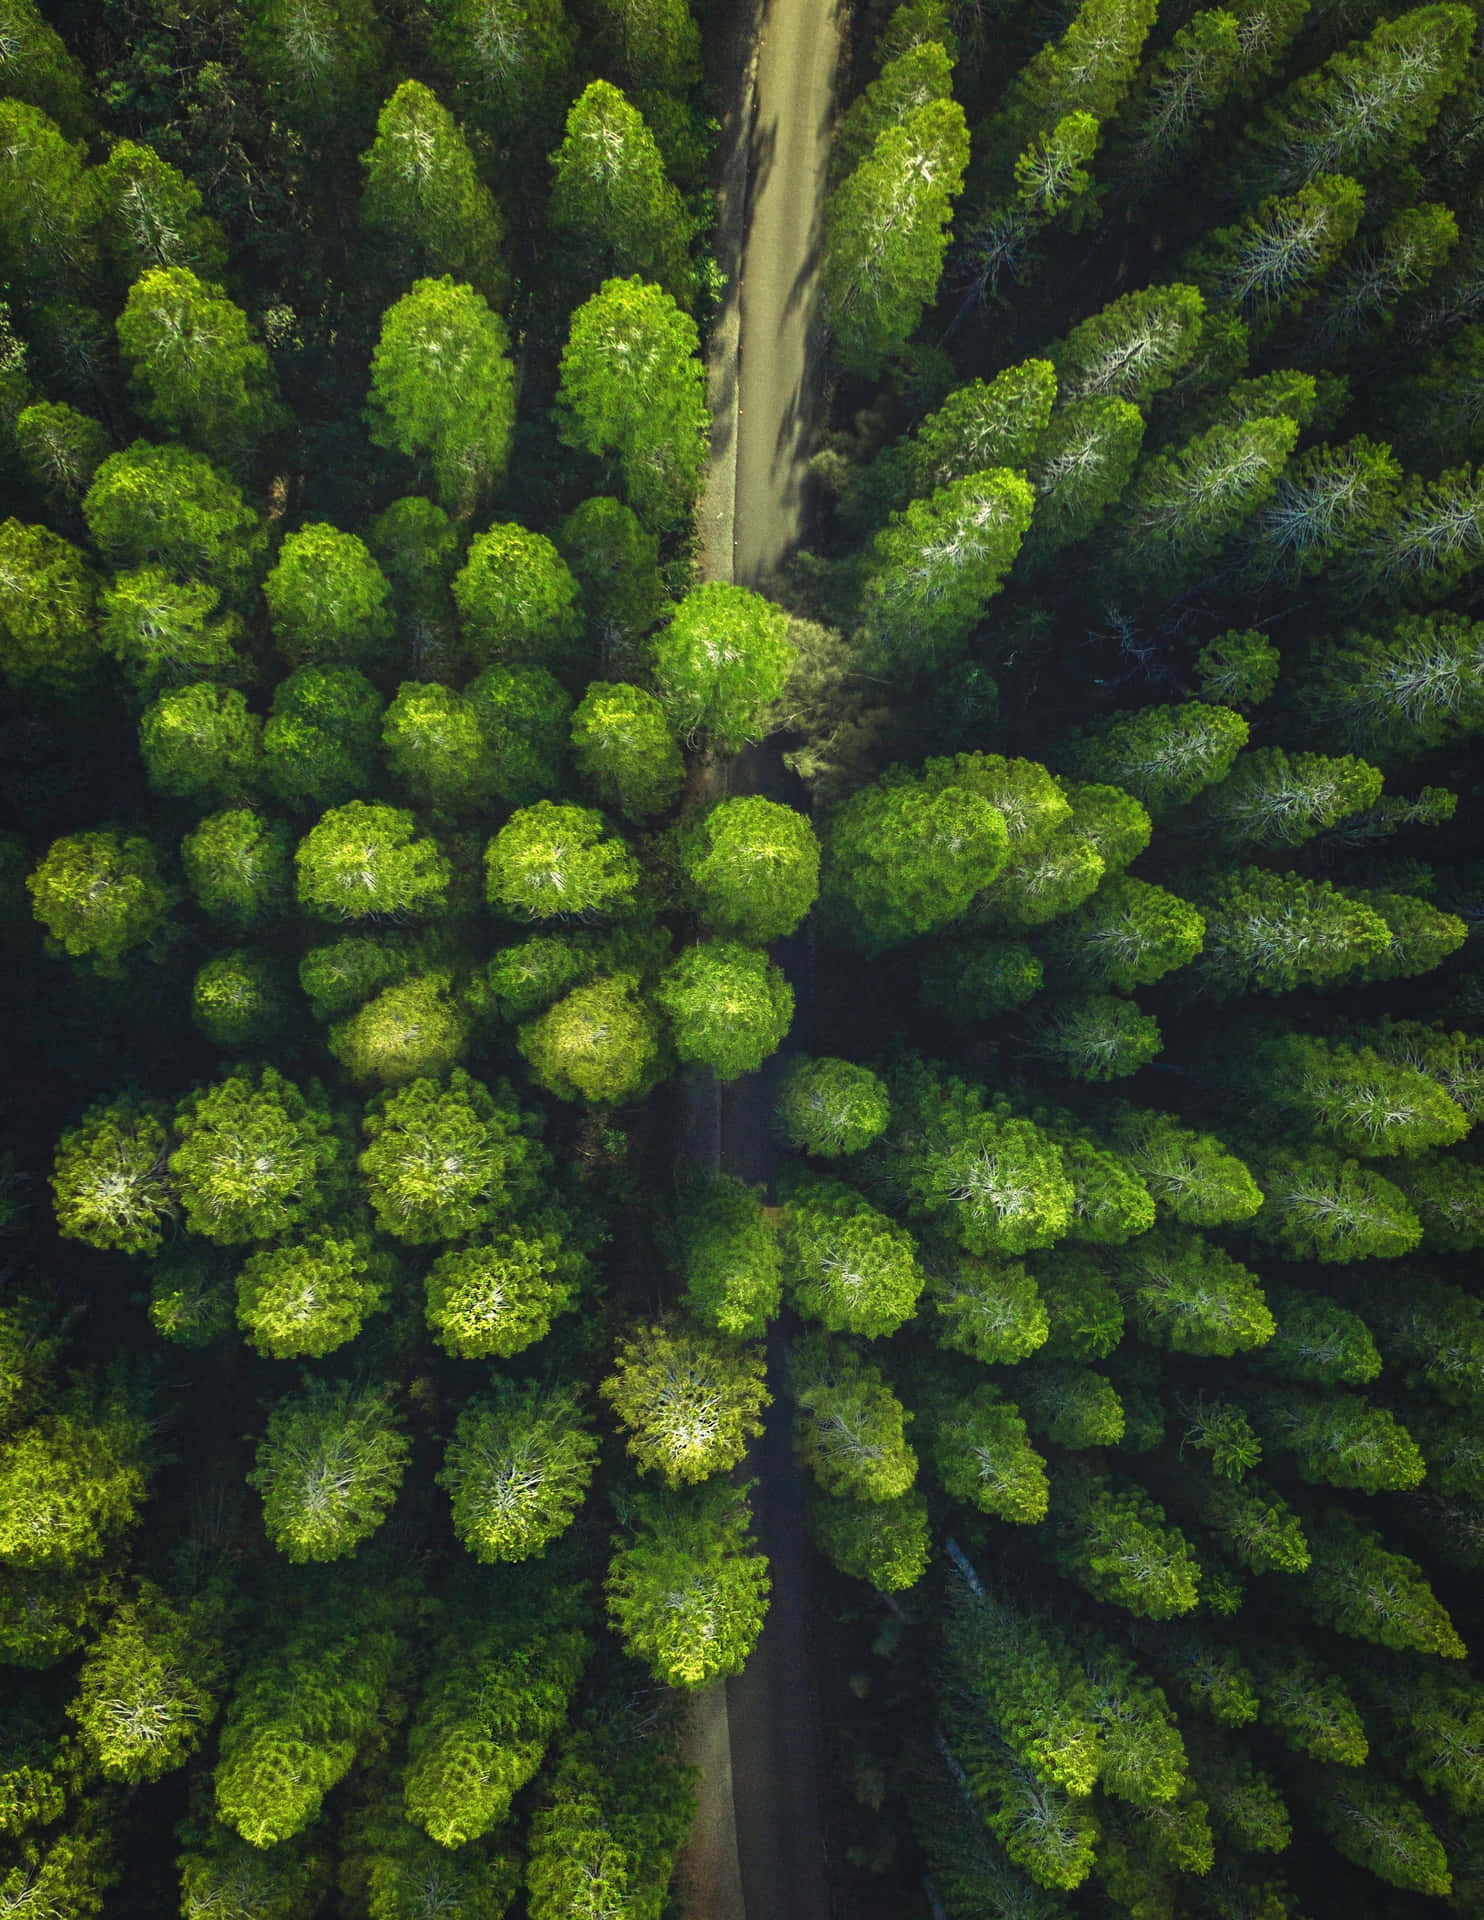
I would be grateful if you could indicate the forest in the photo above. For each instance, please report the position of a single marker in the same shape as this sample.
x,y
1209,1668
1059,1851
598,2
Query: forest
x,y
385,876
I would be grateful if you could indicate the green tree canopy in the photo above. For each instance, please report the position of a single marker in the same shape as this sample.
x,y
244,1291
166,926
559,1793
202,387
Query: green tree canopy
x,y
443,391
169,507
623,748
328,1469
633,389
728,1006
308,1297
754,866
99,895
720,663
551,862
610,200
601,1043
684,1592
253,1156
359,862
689,1401
517,1469
443,1162
195,367
845,1263
328,601
424,203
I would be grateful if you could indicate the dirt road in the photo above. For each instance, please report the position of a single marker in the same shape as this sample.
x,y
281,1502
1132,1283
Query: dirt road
x,y
779,381
780,1845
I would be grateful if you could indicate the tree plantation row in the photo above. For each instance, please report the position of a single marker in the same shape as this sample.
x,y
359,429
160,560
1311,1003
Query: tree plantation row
x,y
380,1373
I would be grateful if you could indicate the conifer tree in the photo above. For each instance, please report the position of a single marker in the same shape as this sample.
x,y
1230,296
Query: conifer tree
x,y
443,391
728,1254
932,571
886,233
685,1593
196,370
517,1469
99,895
424,204
689,1401
305,1704
846,1264
633,388
611,200
849,1427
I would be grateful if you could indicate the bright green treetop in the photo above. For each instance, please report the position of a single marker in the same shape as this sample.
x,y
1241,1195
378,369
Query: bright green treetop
x,y
360,861
443,391
444,1161
328,1469
517,1469
689,1401
253,1156
728,1006
100,894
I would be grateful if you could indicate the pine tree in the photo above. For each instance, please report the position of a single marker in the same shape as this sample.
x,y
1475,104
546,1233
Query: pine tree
x,y
328,1469
1184,503
61,450
1375,1825
196,370
832,1107
503,1674
319,61
443,1161
309,1297
754,867
728,1006
1185,1293
1317,1205
1129,934
886,231
1191,1176
1082,466
1317,1341
1272,799
1072,1406
1415,685
1094,1036
363,862
526,717
443,391
500,1295
1164,756
846,1264
685,1593
99,895
611,201
902,859
689,1401
887,1543
849,1427
328,600
1113,1541
728,1256
1270,932
932,571
200,743
424,205
600,1042
517,1469
719,665
623,748
633,387
165,632
48,597
1364,110
321,738
307,1701
1359,1588
150,1686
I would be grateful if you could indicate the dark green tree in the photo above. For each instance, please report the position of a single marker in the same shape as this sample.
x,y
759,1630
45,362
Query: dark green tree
x,y
424,204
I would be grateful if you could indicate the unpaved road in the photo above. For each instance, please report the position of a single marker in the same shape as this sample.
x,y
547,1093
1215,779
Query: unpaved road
x,y
779,382
780,1844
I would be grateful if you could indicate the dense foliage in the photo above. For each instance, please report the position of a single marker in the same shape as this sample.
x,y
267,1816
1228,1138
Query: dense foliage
x,y
390,808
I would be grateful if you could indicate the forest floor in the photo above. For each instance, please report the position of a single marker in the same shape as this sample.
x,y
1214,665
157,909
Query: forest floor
x,y
757,1850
